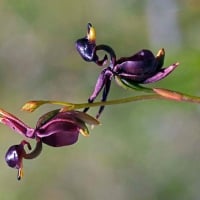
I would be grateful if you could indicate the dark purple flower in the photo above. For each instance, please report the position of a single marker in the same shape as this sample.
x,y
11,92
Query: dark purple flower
x,y
142,67
56,128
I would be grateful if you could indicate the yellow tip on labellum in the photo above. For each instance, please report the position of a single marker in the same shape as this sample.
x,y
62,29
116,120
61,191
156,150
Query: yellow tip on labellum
x,y
91,34
161,53
20,174
84,132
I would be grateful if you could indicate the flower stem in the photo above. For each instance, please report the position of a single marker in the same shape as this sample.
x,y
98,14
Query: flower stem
x,y
33,105
159,93
118,101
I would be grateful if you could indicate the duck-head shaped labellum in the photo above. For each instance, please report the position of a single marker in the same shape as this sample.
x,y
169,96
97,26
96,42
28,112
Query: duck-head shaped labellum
x,y
16,153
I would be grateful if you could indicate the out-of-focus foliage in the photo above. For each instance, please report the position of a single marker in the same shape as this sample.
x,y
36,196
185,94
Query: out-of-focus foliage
x,y
144,150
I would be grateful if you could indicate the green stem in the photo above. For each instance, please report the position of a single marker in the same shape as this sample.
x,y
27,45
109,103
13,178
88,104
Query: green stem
x,y
118,101
159,93
32,105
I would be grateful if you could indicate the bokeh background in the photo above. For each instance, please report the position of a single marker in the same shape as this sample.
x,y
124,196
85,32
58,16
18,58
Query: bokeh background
x,y
144,150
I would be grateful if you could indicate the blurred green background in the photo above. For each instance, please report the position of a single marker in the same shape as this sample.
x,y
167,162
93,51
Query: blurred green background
x,y
145,150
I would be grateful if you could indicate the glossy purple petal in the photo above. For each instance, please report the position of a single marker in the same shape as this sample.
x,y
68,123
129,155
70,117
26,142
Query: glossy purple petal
x,y
161,74
59,129
59,133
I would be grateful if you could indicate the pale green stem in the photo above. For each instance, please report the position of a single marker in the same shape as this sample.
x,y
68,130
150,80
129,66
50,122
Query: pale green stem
x,y
32,105
159,93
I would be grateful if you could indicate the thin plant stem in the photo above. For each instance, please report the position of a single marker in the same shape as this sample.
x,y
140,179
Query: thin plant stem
x,y
32,105
159,93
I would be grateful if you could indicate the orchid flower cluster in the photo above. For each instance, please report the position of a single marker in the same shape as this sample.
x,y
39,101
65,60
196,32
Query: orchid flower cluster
x,y
61,127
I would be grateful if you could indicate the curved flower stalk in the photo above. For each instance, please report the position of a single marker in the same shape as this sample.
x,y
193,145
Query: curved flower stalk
x,y
142,67
56,128
158,93
31,106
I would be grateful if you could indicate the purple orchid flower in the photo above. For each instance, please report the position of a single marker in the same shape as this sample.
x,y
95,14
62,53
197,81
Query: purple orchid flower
x,y
56,128
142,67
